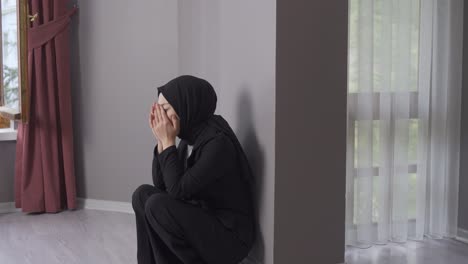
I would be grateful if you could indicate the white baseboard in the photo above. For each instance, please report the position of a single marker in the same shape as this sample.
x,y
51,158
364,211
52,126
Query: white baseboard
x,y
462,235
105,205
8,207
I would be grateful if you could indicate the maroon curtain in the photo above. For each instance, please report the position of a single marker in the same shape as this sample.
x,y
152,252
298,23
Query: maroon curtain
x,y
44,171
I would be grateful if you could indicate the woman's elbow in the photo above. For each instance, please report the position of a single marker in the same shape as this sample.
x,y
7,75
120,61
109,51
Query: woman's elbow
x,y
177,192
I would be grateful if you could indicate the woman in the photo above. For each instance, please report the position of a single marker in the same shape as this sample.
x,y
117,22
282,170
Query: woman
x,y
200,208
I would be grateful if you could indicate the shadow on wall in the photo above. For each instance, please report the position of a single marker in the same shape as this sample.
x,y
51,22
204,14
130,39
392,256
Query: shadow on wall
x,y
78,100
248,138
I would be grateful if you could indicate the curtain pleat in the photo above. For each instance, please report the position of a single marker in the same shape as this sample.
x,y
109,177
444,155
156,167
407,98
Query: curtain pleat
x,y
403,120
44,172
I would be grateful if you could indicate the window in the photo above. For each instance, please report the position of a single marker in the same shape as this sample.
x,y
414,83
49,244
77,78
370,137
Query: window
x,y
383,77
9,57
13,56
403,120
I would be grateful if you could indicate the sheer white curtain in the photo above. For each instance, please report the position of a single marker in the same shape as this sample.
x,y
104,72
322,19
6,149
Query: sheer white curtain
x,y
403,120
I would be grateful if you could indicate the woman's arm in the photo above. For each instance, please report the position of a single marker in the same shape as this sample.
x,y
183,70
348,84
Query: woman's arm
x,y
216,157
156,170
158,180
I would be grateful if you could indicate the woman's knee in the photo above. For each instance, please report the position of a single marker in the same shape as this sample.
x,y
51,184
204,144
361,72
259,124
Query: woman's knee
x,y
162,211
141,194
158,202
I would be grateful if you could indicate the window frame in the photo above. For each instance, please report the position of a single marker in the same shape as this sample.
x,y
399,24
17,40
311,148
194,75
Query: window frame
x,y
8,134
23,86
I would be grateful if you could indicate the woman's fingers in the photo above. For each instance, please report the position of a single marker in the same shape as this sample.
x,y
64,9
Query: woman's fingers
x,y
154,122
150,120
157,114
163,114
151,115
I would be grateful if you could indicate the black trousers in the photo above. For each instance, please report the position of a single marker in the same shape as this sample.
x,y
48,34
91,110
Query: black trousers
x,y
172,231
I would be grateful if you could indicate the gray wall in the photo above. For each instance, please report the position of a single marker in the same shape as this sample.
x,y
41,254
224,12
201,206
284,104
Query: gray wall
x,y
311,80
116,67
232,44
7,170
122,51
463,194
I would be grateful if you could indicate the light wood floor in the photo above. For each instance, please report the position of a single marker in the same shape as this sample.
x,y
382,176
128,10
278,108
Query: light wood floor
x,y
440,251
82,236
90,236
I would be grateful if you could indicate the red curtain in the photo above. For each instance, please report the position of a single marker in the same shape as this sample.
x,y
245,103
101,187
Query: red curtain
x,y
44,170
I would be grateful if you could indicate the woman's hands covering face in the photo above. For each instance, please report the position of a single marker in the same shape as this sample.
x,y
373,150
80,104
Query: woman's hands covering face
x,y
164,128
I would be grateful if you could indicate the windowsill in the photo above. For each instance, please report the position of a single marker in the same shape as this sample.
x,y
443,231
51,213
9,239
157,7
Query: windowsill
x,y
8,134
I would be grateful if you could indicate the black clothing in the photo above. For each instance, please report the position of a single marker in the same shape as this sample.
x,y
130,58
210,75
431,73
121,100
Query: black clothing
x,y
195,214
147,239
171,231
201,208
194,100
213,180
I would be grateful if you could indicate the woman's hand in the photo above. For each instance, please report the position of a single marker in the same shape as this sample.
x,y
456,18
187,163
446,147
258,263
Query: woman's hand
x,y
164,128
151,120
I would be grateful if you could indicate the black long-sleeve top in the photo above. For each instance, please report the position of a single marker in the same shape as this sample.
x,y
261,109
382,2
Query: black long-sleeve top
x,y
212,179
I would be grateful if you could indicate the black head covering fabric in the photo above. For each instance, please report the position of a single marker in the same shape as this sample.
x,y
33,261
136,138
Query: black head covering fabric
x,y
194,101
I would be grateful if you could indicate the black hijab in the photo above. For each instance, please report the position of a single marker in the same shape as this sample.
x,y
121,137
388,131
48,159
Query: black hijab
x,y
194,101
